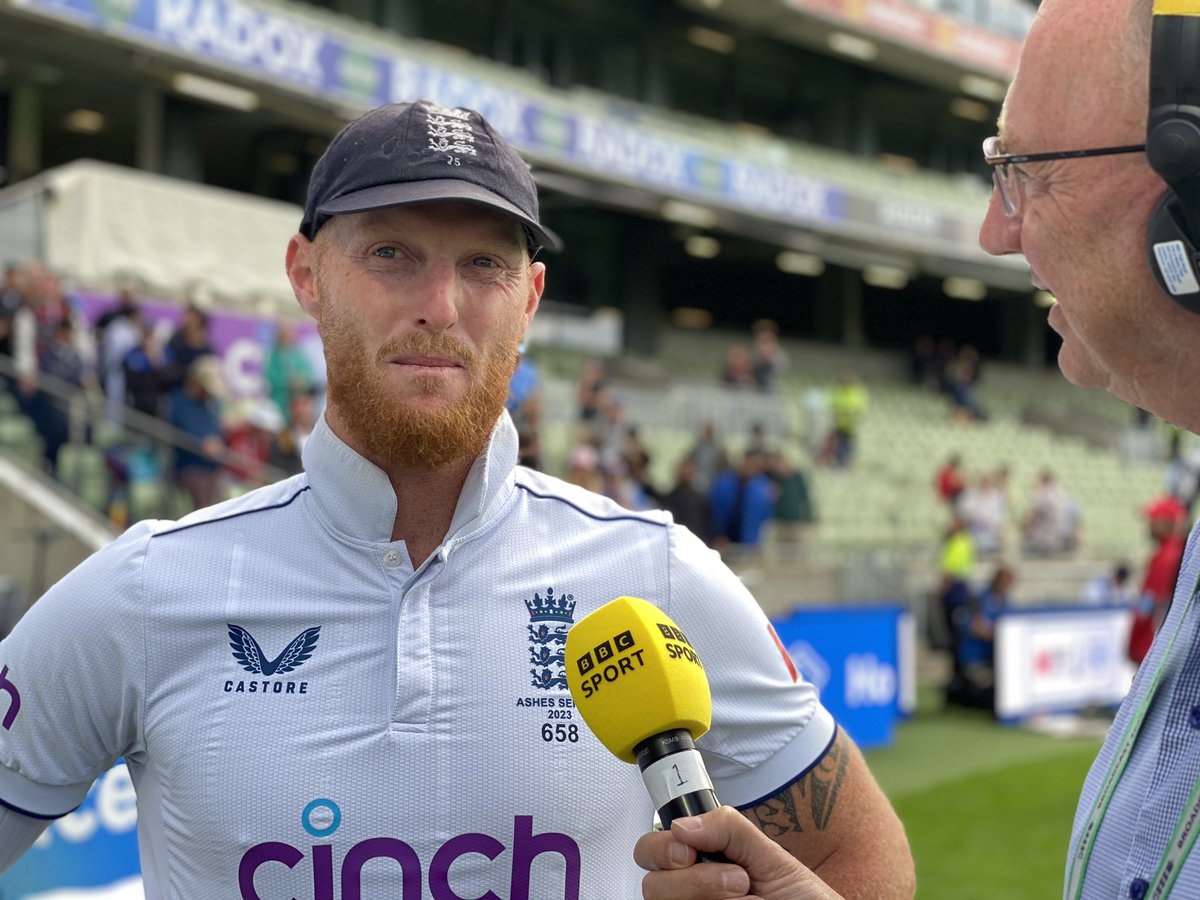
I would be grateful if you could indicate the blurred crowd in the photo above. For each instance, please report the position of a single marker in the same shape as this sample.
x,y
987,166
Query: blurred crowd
x,y
952,370
759,366
134,366
981,527
137,369
833,416
981,506
728,499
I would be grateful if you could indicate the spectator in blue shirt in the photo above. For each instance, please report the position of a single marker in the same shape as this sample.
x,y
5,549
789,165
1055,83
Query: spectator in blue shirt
x,y
742,501
195,410
976,626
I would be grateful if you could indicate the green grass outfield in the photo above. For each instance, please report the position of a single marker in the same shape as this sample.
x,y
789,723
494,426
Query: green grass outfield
x,y
987,808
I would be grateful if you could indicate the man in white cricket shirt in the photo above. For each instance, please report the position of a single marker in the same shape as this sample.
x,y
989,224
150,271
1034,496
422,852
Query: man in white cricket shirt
x,y
350,684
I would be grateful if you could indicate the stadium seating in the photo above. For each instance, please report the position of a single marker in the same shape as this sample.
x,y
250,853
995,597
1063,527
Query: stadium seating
x,y
880,522
19,438
83,469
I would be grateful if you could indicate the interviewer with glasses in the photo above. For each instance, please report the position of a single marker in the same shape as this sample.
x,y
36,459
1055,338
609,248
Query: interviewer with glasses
x,y
1009,172
1081,218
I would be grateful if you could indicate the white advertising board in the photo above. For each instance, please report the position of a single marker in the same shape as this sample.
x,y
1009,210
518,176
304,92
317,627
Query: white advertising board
x,y
1053,660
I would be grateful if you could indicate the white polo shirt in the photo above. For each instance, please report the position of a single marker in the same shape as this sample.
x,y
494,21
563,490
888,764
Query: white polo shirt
x,y
306,716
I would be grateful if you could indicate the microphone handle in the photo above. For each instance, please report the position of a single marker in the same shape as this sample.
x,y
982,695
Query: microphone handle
x,y
675,751
692,804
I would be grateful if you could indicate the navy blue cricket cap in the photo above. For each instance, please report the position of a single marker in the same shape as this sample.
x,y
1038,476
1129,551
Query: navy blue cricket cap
x,y
420,152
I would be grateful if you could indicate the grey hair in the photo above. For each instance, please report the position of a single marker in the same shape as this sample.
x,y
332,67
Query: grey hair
x,y
1141,20
1133,51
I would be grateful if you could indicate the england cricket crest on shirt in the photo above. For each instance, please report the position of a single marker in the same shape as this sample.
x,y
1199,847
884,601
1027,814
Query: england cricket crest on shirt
x,y
549,618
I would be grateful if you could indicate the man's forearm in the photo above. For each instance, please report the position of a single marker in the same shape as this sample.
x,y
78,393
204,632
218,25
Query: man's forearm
x,y
837,822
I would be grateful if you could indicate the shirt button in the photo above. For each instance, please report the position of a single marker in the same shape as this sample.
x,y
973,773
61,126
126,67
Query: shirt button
x,y
1138,888
1194,716
391,559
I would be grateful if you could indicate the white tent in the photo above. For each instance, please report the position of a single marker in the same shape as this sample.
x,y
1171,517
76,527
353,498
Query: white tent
x,y
101,226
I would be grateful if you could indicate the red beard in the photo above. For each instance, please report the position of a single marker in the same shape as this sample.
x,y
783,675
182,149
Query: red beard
x,y
383,428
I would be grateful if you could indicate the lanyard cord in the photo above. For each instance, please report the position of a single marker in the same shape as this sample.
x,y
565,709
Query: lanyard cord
x,y
1185,830
1177,850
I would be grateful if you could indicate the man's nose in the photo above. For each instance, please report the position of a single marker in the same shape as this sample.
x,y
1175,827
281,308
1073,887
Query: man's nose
x,y
999,235
437,306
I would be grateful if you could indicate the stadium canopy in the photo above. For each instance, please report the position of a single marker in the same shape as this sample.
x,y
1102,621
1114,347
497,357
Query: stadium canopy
x,y
102,227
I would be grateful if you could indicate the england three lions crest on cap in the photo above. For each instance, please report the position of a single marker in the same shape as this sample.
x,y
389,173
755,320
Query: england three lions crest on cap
x,y
550,617
450,130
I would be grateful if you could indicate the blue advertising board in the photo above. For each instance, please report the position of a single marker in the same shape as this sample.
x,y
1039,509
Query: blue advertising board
x,y
93,847
276,45
860,658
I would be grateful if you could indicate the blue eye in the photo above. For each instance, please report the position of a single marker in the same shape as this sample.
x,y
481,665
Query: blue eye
x,y
385,252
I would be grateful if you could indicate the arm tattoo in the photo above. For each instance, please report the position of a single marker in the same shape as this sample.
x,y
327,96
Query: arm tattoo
x,y
826,782
776,816
780,814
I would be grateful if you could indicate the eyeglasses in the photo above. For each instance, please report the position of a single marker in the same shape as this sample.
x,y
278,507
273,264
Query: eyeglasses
x,y
1008,175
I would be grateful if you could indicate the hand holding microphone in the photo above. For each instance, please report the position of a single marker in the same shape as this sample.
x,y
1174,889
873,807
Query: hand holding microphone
x,y
763,870
641,688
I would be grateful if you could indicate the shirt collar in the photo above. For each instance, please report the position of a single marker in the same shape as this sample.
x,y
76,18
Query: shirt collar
x,y
356,497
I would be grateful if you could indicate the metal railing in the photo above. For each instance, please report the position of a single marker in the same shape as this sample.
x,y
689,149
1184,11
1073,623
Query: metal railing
x,y
85,414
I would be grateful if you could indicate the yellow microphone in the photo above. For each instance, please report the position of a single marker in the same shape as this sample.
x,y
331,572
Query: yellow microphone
x,y
642,690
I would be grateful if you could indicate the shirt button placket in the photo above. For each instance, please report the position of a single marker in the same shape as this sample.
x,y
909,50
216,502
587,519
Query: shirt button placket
x,y
1194,716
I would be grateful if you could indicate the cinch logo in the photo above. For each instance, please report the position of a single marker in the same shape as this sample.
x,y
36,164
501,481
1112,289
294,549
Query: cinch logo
x,y
14,706
321,818
251,658
547,647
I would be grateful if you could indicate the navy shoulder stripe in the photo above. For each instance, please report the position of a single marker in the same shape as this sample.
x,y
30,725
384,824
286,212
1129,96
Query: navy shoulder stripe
x,y
232,515
745,807
618,517
33,815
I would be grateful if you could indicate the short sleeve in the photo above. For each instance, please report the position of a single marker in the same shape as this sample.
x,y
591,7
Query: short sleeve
x,y
72,682
768,725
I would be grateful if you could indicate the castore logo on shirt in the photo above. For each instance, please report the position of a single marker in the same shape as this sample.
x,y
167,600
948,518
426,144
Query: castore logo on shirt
x,y
250,656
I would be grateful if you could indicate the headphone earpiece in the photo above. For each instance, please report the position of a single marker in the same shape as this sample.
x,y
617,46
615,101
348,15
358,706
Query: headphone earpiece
x,y
1173,149
1173,258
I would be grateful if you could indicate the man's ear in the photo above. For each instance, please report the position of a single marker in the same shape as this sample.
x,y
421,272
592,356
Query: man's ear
x,y
537,284
301,263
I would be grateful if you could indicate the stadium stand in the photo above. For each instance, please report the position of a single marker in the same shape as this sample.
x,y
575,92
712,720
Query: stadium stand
x,y
709,164
880,522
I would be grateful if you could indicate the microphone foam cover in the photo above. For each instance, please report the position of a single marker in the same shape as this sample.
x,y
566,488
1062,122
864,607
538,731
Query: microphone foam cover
x,y
633,674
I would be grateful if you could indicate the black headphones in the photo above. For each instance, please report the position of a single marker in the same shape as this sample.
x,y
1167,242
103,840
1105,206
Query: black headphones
x,y
1173,149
